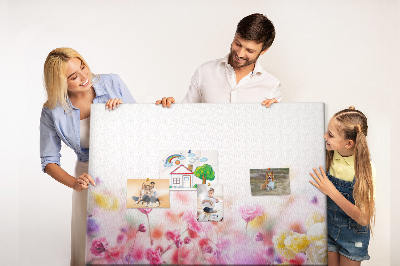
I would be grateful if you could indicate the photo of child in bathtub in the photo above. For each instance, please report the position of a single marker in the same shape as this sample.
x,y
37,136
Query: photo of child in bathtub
x,y
147,193
210,203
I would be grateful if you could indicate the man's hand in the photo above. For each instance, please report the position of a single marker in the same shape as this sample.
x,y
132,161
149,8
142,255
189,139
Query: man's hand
x,y
166,102
268,102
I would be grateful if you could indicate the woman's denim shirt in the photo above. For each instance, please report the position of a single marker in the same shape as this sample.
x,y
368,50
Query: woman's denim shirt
x,y
57,125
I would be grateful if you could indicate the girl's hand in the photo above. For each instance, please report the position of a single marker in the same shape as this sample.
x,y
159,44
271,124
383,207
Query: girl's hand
x,y
83,182
112,103
323,182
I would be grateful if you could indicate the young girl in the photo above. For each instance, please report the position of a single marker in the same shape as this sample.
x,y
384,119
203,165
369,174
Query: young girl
x,y
349,185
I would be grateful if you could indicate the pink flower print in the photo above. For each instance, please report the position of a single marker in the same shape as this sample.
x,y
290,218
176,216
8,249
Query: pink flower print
x,y
145,210
208,249
248,213
300,259
172,235
120,238
92,227
128,259
137,252
180,257
259,237
98,246
178,243
314,200
154,257
187,240
114,254
192,222
192,234
142,228
217,254
223,244
270,252
203,242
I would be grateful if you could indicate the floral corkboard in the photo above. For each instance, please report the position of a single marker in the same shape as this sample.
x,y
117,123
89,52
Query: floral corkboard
x,y
270,230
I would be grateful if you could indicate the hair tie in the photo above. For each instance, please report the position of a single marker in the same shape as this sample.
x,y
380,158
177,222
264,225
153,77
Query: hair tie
x,y
352,108
358,128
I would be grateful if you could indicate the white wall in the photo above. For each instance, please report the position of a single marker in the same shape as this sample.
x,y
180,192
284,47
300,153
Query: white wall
x,y
341,53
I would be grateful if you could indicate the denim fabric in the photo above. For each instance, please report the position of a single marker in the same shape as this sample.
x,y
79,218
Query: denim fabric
x,y
345,235
57,125
208,210
146,199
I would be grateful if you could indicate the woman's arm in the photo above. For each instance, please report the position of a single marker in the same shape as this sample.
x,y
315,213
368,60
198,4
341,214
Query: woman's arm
x,y
326,187
50,146
64,178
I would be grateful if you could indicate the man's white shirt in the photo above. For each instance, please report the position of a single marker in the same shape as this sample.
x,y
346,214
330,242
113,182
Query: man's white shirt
x,y
215,82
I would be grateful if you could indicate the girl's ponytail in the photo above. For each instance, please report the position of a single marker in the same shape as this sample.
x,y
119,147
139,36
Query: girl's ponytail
x,y
353,126
363,188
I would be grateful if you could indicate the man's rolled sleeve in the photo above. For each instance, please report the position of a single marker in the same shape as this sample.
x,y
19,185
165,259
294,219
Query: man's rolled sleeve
x,y
50,143
276,92
194,95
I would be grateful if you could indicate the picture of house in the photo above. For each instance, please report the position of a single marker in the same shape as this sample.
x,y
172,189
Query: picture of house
x,y
182,177
188,168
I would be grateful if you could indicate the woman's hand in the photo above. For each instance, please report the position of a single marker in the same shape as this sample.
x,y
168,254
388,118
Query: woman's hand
x,y
112,103
83,182
323,182
166,102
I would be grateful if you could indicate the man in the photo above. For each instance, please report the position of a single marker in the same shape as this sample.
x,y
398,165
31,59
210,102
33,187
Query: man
x,y
238,77
154,195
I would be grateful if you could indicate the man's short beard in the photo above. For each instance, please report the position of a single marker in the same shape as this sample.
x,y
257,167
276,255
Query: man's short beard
x,y
233,62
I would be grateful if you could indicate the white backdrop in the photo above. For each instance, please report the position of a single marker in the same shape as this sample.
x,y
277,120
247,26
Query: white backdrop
x,y
341,53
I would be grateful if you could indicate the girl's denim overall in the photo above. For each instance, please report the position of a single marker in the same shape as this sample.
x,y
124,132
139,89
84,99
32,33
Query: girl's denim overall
x,y
345,235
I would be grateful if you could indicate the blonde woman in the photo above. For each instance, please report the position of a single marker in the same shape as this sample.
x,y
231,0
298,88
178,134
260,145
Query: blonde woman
x,y
71,89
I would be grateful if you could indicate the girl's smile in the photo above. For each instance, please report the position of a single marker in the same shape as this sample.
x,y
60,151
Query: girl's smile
x,y
335,141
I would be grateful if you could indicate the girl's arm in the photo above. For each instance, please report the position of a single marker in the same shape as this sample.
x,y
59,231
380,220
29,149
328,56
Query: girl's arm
x,y
326,187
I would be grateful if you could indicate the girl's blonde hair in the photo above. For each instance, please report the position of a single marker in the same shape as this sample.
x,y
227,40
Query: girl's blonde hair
x,y
352,124
55,80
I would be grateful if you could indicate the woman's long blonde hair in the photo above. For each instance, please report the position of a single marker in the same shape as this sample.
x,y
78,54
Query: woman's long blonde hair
x,y
55,80
352,124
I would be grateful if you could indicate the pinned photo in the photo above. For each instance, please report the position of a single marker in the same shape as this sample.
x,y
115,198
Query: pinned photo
x,y
210,205
271,181
186,169
147,193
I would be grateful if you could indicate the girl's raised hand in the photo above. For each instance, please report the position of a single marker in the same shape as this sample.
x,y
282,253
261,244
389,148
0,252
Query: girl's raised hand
x,y
323,182
83,182
112,103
